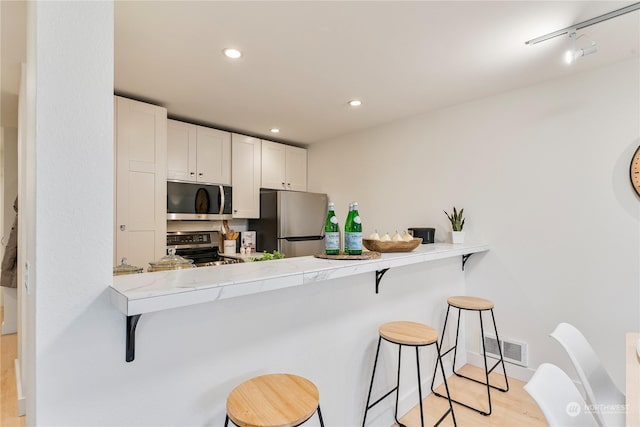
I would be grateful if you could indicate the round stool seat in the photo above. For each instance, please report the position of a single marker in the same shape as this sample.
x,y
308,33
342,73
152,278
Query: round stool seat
x,y
274,400
470,303
408,333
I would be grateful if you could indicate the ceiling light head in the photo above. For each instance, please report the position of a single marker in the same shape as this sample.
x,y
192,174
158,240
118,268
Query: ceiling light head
x,y
274,130
574,53
355,103
232,53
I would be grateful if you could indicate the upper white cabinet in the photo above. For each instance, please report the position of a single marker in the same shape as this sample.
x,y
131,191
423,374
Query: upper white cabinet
x,y
246,174
140,182
284,167
198,154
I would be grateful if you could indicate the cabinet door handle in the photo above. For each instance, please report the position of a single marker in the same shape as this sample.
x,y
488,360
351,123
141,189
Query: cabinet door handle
x,y
235,211
192,173
123,227
200,174
289,184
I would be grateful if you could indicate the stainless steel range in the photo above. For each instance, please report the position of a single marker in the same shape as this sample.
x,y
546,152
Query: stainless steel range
x,y
200,246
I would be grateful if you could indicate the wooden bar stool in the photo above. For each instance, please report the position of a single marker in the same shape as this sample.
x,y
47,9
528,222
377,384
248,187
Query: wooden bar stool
x,y
273,400
410,334
473,304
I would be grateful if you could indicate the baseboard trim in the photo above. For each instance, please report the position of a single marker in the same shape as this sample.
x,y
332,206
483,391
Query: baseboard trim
x,y
22,402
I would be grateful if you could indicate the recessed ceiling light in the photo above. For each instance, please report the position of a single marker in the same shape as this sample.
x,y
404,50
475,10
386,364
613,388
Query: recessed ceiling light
x,y
275,130
232,53
355,103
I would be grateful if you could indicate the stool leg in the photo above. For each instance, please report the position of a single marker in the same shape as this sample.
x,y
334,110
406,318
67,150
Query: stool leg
x,y
419,387
486,368
444,330
446,386
320,417
226,421
375,363
398,386
504,370
455,348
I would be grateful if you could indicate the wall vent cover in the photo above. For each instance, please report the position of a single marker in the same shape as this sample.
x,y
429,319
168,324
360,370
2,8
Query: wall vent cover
x,y
513,351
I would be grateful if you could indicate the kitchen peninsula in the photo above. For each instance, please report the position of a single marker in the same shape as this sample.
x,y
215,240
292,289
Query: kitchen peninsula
x,y
137,294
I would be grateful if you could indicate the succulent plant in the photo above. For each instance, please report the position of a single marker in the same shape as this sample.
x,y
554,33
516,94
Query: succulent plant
x,y
457,221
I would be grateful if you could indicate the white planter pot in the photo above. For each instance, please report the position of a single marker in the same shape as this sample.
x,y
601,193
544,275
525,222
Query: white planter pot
x,y
457,237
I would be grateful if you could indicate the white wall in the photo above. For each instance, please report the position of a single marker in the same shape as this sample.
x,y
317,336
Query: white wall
x,y
542,173
67,200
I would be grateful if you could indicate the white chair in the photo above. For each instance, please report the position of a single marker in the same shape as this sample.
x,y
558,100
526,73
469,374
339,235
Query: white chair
x,y
607,401
558,398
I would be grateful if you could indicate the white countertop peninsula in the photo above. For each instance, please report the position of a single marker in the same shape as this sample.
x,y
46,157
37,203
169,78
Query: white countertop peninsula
x,y
148,292
136,294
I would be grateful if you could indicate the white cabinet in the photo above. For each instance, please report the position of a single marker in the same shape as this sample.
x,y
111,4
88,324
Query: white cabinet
x,y
140,182
181,151
198,154
284,167
296,168
246,175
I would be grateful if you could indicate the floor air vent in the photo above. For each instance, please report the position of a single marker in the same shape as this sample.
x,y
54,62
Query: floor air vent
x,y
513,351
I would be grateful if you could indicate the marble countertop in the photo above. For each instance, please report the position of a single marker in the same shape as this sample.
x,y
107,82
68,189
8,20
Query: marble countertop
x,y
148,292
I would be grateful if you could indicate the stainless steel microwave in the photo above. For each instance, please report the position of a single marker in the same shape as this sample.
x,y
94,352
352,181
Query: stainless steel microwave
x,y
191,201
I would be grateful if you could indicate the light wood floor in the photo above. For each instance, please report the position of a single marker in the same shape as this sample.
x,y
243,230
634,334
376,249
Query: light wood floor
x,y
514,408
8,397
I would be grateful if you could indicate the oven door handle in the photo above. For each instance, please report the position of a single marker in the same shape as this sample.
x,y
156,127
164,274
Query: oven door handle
x,y
221,199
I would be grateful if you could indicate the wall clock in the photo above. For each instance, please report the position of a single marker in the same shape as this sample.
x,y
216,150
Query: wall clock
x,y
634,171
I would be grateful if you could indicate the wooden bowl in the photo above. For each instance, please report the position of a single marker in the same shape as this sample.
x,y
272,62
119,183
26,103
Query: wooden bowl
x,y
378,246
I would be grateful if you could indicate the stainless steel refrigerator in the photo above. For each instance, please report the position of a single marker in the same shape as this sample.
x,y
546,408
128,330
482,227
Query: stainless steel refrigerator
x,y
291,222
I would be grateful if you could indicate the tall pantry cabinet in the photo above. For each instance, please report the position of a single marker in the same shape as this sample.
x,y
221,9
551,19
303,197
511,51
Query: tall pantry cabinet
x,y
140,221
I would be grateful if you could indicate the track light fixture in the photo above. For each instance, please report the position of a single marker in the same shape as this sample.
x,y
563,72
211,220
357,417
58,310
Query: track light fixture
x,y
574,53
619,12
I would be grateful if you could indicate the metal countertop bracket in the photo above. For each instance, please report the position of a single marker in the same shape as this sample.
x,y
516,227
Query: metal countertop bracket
x,y
132,323
379,274
464,260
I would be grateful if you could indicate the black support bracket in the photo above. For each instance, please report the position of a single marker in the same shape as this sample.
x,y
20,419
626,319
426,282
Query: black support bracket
x,y
379,274
132,322
464,260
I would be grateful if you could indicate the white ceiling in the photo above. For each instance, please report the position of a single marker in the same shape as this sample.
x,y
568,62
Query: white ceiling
x,y
304,60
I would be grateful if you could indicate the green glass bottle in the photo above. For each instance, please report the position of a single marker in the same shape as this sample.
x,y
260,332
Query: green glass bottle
x,y
331,233
347,227
353,234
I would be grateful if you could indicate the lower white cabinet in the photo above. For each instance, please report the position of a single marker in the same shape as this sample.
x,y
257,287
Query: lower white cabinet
x,y
140,218
246,161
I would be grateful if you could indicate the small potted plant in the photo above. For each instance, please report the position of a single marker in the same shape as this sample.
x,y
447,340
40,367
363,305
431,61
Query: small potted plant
x,y
457,223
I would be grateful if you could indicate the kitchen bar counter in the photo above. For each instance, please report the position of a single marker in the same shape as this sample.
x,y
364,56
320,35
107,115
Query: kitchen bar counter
x,y
148,292
137,294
